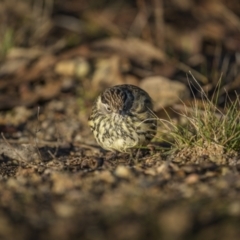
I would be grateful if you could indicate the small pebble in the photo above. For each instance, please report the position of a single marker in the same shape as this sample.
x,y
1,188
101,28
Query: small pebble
x,y
122,172
192,178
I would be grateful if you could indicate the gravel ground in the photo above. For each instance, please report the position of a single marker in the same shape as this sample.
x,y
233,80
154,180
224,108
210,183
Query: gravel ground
x,y
65,187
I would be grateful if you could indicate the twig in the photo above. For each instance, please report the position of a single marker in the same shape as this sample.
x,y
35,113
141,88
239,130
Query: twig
x,y
57,147
185,68
36,131
159,23
6,141
51,154
140,21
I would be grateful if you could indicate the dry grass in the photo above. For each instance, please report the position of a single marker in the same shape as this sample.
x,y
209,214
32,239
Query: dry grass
x,y
206,125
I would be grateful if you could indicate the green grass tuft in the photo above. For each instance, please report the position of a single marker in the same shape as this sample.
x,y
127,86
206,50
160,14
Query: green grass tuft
x,y
7,42
206,125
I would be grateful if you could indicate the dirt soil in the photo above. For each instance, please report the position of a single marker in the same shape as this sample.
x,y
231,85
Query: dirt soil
x,y
55,181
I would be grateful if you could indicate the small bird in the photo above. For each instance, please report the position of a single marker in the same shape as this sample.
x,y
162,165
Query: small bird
x,y
122,118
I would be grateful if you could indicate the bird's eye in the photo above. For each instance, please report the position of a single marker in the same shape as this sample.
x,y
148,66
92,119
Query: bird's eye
x,y
108,108
147,101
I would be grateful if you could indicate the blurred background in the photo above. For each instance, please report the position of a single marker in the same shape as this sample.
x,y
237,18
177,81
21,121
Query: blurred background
x,y
55,58
49,45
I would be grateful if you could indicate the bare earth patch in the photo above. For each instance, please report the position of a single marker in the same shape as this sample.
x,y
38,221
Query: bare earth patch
x,y
77,190
55,58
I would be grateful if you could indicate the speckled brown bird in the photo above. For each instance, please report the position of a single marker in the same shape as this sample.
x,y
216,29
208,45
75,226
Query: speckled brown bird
x,y
122,118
